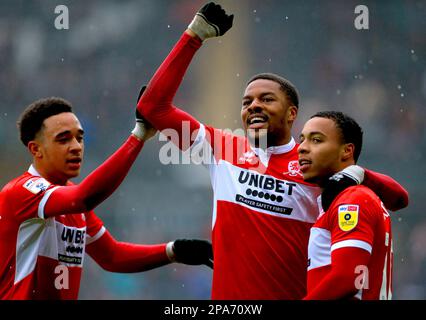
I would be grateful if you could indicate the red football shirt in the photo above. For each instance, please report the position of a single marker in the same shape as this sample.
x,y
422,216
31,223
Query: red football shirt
x,y
356,218
41,258
263,211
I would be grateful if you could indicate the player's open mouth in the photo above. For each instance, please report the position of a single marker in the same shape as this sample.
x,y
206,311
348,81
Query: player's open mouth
x,y
257,121
74,163
304,164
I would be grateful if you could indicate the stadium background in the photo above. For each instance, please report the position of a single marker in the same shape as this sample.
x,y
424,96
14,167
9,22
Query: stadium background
x,y
112,47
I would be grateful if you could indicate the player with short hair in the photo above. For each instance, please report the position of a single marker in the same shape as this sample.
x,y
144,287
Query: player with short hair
x,y
47,222
350,245
263,209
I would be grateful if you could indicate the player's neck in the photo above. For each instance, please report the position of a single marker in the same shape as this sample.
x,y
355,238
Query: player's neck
x,y
279,142
268,142
341,166
52,178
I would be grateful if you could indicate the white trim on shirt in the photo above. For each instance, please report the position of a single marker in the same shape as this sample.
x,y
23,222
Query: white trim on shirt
x,y
43,201
352,243
99,234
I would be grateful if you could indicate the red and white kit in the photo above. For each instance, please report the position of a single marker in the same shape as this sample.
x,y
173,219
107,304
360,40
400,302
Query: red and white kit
x,y
32,246
262,210
43,237
356,221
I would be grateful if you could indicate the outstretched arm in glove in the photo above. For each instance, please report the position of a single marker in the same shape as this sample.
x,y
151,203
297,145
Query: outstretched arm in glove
x,y
116,256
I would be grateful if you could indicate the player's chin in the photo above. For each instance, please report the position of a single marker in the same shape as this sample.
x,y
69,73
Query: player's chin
x,y
309,176
256,133
72,173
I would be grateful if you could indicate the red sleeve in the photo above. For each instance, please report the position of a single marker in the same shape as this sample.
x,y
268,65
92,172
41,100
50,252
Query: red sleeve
x,y
343,281
94,226
25,198
393,195
352,220
156,102
97,186
116,256
353,217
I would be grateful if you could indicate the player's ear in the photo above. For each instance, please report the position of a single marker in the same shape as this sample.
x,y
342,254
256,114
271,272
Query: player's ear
x,y
348,151
292,113
34,148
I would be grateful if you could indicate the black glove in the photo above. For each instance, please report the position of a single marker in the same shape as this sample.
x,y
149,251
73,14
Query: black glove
x,y
211,21
141,91
143,129
193,252
139,117
336,184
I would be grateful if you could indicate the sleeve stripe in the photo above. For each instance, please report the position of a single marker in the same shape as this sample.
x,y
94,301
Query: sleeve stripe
x,y
96,236
352,243
43,202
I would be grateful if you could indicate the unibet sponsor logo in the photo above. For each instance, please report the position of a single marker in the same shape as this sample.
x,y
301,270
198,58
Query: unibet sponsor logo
x,y
74,240
263,205
266,183
72,249
264,188
348,217
72,235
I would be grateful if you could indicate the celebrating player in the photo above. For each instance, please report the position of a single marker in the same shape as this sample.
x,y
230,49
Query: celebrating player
x,y
47,223
263,210
350,246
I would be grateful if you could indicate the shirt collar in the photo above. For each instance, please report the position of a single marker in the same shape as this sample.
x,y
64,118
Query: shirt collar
x,y
277,149
32,170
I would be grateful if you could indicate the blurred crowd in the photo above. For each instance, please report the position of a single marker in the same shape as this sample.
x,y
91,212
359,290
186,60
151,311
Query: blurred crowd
x,y
111,48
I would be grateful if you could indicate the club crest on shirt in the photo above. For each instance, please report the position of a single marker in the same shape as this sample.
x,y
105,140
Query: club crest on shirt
x,y
36,185
249,157
293,169
348,216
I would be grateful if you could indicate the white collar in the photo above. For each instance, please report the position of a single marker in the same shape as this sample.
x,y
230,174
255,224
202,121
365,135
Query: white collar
x,y
320,208
32,170
277,149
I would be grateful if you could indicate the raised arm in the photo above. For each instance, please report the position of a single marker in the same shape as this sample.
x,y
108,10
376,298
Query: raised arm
x,y
155,104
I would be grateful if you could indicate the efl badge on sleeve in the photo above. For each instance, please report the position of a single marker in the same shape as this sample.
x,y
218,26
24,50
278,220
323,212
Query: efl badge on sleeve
x,y
36,185
348,216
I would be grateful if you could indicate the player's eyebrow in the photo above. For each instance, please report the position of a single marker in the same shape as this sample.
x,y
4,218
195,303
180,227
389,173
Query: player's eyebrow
x,y
310,134
261,96
316,132
67,132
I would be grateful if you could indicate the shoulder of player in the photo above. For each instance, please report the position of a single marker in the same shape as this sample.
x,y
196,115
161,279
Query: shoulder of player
x,y
16,182
226,133
226,136
356,195
358,192
27,183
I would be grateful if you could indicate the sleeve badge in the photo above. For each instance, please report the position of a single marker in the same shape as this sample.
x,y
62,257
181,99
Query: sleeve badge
x,y
348,216
36,185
